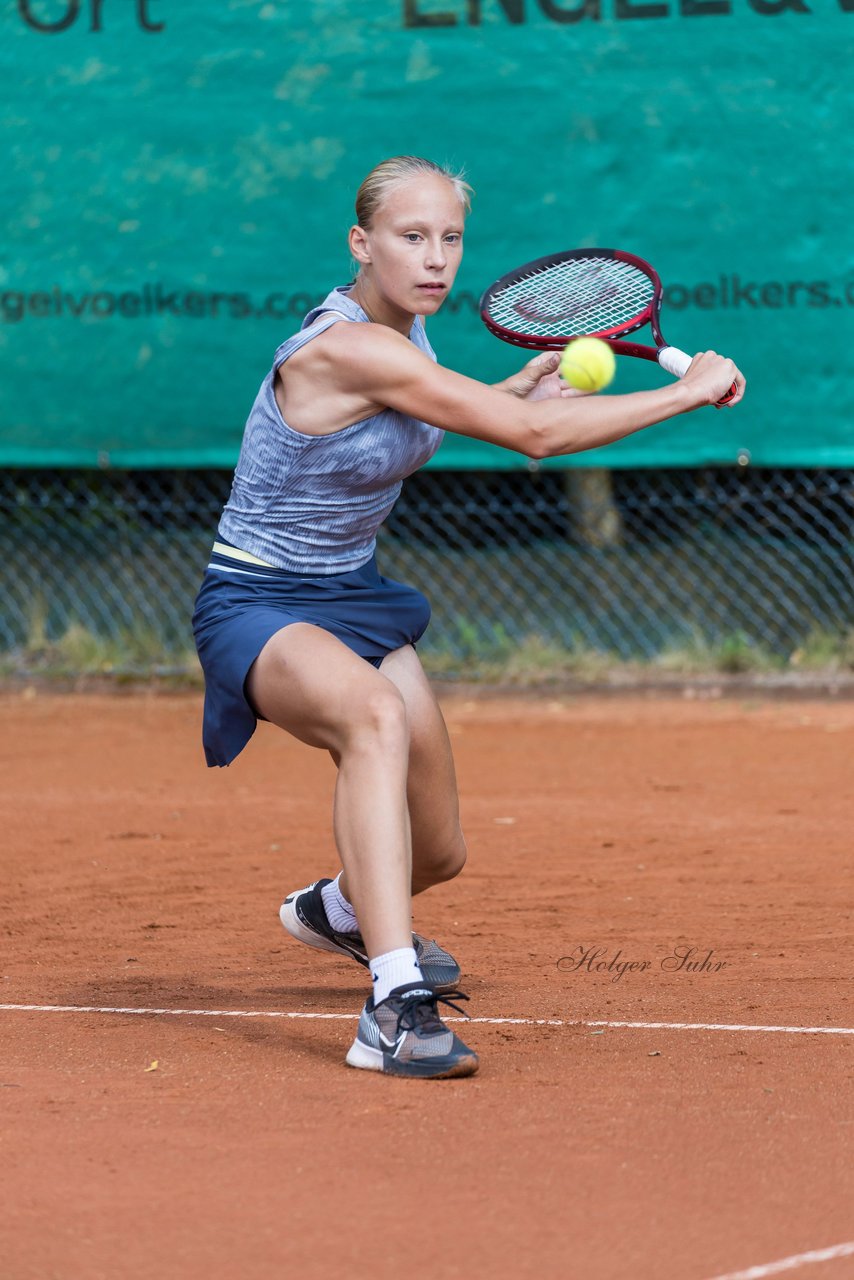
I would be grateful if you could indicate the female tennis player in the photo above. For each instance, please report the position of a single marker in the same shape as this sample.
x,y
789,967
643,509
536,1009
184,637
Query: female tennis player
x,y
295,624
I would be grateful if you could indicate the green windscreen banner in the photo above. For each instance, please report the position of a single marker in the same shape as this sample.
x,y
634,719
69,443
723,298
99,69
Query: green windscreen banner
x,y
177,184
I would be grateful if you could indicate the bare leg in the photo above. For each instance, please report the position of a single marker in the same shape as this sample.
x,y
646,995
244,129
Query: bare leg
x,y
314,687
438,846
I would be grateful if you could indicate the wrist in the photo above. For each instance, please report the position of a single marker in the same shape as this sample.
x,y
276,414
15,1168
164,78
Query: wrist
x,y
683,397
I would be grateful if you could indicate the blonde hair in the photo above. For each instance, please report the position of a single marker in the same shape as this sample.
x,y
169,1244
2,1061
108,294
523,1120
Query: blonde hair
x,y
399,169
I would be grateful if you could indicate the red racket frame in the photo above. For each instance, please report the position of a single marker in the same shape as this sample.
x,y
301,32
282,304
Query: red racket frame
x,y
650,313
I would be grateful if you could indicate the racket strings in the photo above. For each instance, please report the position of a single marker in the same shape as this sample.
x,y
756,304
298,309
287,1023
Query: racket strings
x,y
574,297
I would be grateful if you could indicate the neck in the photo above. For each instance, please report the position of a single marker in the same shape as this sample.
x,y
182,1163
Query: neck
x,y
379,310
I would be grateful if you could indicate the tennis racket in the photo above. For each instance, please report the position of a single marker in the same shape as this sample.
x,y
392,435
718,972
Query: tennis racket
x,y
592,293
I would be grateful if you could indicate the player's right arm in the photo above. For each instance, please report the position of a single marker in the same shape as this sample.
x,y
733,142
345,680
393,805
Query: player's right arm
x,y
388,370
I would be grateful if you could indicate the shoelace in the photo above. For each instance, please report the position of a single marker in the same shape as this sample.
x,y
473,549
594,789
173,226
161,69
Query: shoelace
x,y
420,1010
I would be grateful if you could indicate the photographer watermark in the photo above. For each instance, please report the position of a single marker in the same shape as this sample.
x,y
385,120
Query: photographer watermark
x,y
681,959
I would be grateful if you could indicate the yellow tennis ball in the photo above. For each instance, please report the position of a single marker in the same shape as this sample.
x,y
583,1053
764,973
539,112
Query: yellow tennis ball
x,y
588,364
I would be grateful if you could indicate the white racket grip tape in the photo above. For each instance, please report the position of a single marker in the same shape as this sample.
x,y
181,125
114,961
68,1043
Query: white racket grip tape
x,y
674,361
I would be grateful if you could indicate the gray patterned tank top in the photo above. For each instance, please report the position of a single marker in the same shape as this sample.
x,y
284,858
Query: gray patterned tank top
x,y
313,504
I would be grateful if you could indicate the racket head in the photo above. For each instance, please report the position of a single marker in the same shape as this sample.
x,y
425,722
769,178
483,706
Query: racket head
x,y
596,293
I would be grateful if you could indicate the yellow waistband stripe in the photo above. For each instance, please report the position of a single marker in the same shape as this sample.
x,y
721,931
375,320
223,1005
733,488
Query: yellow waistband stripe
x,y
236,554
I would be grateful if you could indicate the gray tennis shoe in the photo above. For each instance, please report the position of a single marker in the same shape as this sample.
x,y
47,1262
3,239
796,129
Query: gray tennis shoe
x,y
403,1035
304,916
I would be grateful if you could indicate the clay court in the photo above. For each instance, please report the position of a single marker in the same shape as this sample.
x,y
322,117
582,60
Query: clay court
x,y
656,1122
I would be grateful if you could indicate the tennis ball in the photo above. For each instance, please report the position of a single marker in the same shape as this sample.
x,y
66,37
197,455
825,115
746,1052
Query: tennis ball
x,y
588,364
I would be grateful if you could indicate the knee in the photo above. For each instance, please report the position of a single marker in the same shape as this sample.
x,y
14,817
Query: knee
x,y
379,720
449,860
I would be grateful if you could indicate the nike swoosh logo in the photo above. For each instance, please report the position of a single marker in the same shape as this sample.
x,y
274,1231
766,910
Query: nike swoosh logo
x,y
394,1047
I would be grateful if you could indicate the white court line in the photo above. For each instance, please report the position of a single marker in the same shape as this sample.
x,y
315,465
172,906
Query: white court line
x,y
717,1026
518,1022
792,1263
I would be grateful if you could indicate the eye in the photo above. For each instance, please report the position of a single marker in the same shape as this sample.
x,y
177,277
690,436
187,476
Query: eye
x,y
454,238
412,236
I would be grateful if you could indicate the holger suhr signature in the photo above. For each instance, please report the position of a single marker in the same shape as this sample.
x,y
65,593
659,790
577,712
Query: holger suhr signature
x,y
681,959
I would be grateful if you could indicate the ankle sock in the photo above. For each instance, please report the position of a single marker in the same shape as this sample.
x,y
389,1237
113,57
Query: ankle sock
x,y
394,969
339,912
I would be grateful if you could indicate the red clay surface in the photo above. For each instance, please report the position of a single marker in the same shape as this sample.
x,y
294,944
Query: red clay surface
x,y
135,877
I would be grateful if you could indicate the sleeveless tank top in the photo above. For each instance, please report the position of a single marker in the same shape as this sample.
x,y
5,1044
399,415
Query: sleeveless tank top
x,y
313,504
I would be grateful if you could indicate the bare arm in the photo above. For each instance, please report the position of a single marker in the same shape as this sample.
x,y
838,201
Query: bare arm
x,y
388,370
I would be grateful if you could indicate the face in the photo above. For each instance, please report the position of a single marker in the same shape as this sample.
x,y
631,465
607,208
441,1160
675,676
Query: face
x,y
412,252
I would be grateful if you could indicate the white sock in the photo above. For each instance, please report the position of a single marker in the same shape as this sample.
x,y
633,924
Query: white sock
x,y
394,969
339,912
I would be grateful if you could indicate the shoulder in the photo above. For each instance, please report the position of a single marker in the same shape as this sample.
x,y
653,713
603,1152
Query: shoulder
x,y
355,359
354,345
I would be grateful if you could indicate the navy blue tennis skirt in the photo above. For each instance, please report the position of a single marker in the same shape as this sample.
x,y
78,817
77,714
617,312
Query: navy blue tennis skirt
x,y
237,613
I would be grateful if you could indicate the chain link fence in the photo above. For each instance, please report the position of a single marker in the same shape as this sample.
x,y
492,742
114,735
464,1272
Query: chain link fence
x,y
99,569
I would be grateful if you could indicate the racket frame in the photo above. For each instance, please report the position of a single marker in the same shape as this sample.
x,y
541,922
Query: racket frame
x,y
649,313
672,359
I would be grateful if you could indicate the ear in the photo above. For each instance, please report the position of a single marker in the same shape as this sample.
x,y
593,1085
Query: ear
x,y
359,246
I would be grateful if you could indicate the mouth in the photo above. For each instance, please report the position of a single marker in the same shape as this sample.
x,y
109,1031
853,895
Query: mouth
x,y
432,287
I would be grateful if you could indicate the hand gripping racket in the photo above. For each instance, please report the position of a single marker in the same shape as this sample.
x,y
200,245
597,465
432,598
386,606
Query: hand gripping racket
x,y
593,293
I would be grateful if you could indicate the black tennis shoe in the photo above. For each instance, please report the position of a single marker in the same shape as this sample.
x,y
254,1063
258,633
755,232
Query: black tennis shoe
x,y
403,1035
304,917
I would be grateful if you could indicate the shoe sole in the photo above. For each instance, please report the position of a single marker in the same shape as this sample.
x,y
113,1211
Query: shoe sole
x,y
363,1056
295,927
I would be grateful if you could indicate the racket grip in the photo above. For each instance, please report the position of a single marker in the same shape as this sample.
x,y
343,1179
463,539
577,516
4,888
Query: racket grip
x,y
677,363
674,361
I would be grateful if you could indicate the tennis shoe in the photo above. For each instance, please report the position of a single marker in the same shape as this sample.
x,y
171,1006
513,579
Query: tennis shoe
x,y
304,917
403,1035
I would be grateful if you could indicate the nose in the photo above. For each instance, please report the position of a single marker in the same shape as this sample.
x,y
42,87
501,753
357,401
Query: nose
x,y
436,255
